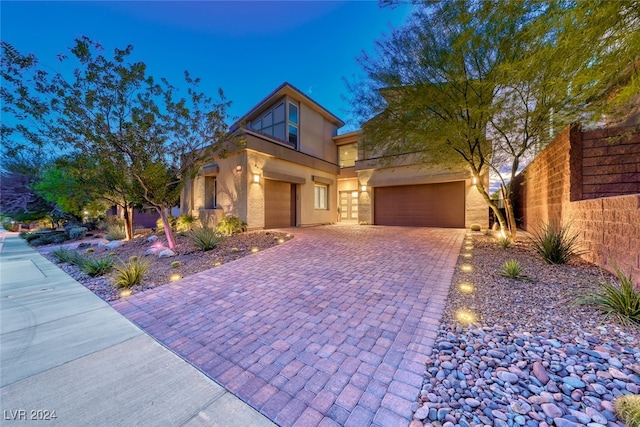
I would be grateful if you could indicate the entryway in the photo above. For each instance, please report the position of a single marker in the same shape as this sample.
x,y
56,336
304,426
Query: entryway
x,y
348,206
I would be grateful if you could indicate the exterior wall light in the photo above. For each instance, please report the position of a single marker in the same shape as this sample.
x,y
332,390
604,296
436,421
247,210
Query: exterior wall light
x,y
256,178
239,168
363,188
474,181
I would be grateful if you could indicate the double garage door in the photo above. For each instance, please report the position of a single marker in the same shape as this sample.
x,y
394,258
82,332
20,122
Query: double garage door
x,y
427,205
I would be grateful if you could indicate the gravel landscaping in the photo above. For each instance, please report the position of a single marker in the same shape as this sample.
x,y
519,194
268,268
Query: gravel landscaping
x,y
160,271
532,356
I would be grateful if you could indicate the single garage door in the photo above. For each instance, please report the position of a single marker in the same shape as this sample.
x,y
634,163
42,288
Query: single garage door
x,y
279,204
427,205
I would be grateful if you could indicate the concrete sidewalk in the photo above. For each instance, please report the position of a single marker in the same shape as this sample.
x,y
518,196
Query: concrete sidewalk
x,y
66,353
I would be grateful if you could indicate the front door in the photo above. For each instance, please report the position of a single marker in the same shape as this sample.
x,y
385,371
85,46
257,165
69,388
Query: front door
x,y
349,206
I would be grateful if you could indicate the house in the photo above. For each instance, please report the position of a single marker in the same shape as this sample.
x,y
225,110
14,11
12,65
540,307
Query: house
x,y
293,169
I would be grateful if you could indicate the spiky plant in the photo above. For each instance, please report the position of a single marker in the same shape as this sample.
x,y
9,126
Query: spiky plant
x,y
620,300
512,269
98,266
130,273
627,408
556,243
205,238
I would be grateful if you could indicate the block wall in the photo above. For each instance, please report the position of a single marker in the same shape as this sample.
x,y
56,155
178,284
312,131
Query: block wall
x,y
591,180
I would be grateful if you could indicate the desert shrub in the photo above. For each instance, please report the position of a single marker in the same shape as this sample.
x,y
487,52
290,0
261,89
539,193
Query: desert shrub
x,y
97,266
627,408
172,222
115,232
512,269
475,227
131,272
504,242
29,237
488,232
61,255
175,264
231,224
556,244
620,299
186,222
77,259
76,233
90,250
205,238
45,239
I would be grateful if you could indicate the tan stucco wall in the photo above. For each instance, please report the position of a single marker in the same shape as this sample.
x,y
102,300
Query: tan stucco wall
x,y
306,214
316,135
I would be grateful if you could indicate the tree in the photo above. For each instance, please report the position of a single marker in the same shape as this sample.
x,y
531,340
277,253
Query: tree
x,y
467,83
19,200
61,184
111,110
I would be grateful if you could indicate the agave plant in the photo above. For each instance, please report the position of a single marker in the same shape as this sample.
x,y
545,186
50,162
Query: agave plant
x,y
620,300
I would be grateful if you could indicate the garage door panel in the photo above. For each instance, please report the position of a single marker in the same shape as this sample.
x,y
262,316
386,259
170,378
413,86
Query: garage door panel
x,y
277,204
428,205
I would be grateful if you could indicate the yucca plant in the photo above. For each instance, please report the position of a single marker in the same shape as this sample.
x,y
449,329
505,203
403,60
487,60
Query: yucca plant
x,y
205,238
504,242
97,266
231,224
627,408
556,244
130,273
512,269
620,300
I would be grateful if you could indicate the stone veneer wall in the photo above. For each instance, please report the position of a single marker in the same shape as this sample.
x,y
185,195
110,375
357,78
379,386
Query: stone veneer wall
x,y
567,181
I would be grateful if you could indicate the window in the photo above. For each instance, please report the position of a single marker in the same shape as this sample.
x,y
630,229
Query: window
x,y
293,124
272,122
211,192
320,196
280,123
347,155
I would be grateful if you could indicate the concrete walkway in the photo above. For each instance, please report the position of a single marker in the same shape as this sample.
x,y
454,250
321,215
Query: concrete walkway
x,y
330,329
67,354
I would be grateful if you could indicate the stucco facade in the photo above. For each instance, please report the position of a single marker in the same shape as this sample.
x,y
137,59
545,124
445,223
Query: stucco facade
x,y
293,169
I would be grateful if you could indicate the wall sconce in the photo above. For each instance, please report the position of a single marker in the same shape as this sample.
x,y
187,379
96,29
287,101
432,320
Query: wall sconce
x,y
256,178
363,188
239,168
474,180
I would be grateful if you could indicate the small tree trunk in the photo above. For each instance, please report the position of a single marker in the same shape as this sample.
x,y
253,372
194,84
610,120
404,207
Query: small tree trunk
x,y
168,232
508,208
128,222
496,210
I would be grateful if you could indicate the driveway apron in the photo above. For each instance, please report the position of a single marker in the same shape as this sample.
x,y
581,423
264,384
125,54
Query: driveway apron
x,y
331,328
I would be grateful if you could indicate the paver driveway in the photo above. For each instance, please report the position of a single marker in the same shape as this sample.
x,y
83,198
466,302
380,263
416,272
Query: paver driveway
x,y
331,328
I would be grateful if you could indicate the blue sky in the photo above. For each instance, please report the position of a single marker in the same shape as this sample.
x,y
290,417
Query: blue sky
x,y
245,48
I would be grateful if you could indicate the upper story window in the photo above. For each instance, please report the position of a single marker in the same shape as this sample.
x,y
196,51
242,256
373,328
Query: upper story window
x,y
347,155
293,124
279,123
272,122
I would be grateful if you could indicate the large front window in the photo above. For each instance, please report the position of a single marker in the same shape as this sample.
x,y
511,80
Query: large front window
x,y
272,122
348,154
320,196
280,122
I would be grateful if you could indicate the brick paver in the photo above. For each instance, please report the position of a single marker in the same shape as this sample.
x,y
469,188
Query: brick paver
x,y
331,328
